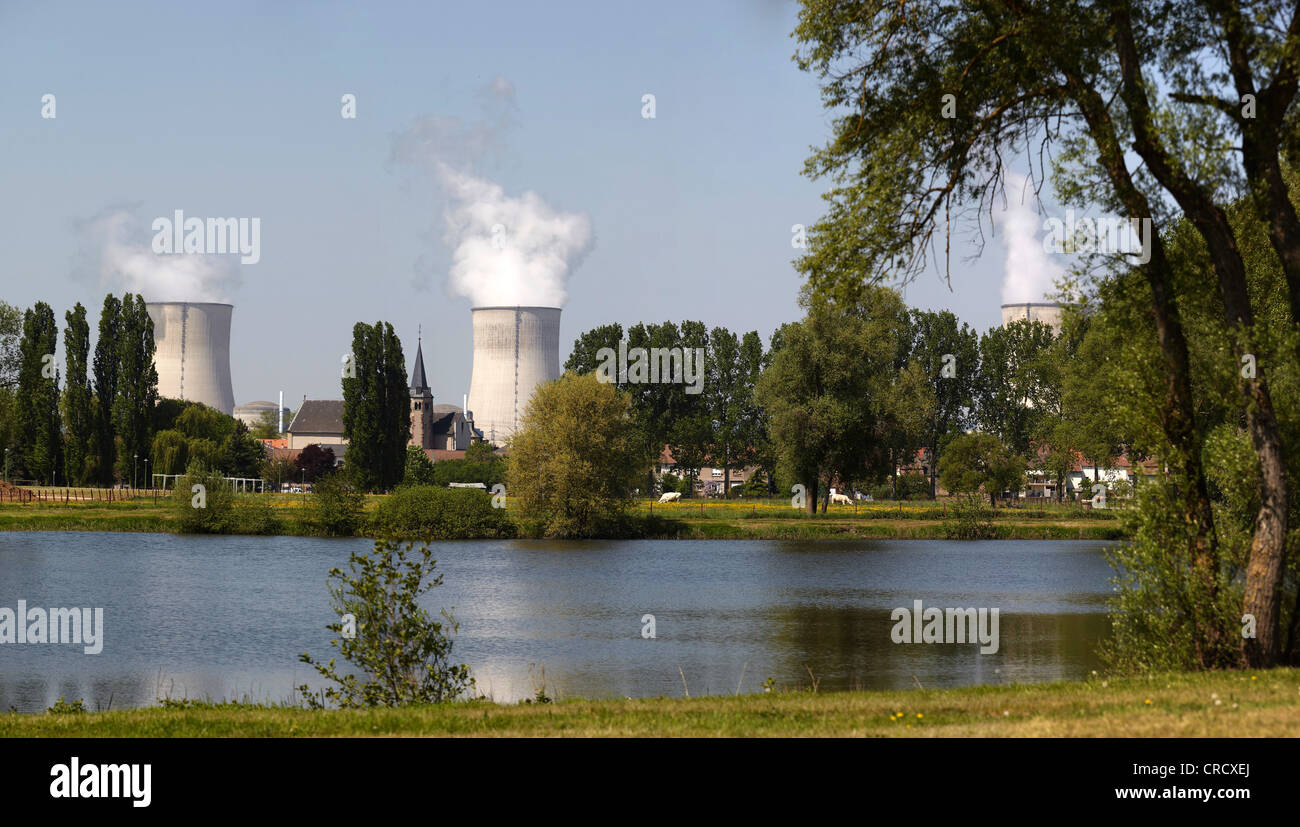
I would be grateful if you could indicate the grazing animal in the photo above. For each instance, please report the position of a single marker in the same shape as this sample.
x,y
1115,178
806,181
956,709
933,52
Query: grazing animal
x,y
841,499
671,497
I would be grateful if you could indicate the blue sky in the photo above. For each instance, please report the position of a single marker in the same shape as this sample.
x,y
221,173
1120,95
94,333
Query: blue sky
x,y
233,109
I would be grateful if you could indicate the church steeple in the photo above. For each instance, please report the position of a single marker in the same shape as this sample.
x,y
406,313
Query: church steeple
x,y
421,401
419,385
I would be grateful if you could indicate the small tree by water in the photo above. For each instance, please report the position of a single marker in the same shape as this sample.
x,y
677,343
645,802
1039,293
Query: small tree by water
x,y
399,654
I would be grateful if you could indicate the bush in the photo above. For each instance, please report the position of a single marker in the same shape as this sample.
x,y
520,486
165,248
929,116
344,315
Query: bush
x,y
215,509
1162,615
970,520
434,513
337,509
206,510
254,514
402,654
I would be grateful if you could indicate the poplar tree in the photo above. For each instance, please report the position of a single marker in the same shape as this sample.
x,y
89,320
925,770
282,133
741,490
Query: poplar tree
x,y
77,399
106,379
36,446
376,408
137,386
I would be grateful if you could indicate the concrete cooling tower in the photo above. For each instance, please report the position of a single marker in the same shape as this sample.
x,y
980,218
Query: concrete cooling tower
x,y
515,350
1045,312
193,352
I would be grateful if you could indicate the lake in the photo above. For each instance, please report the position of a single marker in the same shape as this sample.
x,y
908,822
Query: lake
x,y
226,617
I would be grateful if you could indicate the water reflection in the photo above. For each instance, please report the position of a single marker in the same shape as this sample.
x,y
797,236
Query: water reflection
x,y
226,617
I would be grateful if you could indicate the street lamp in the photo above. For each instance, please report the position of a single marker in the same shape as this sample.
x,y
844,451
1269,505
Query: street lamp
x,y
134,465
148,480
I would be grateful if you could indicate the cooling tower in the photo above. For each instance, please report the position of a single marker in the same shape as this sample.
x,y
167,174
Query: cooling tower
x,y
515,350
193,352
1045,312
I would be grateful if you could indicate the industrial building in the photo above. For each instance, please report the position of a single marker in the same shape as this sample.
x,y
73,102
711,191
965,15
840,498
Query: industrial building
x,y
251,413
1046,312
192,353
515,350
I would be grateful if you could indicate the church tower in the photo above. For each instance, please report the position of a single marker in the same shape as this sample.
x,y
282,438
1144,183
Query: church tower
x,y
421,402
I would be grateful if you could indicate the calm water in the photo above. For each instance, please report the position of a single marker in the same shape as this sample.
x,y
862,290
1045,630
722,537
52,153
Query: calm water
x,y
225,617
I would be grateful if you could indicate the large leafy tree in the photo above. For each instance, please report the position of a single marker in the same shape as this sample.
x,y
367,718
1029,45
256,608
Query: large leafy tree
x,y
735,419
78,402
376,408
947,354
36,445
929,96
826,390
1013,388
575,459
979,461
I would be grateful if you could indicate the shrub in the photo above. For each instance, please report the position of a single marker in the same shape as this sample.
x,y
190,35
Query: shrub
x,y
253,514
337,508
970,520
434,513
216,509
206,510
1162,615
402,654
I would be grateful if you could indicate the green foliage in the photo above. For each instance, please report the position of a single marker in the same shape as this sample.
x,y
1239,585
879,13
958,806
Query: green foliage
x,y
436,513
400,655
978,461
376,408
77,396
1162,605
241,454
419,469
338,510
970,520
906,487
670,483
170,452
137,381
827,389
106,369
219,510
65,707
207,511
1014,383
253,514
575,459
36,441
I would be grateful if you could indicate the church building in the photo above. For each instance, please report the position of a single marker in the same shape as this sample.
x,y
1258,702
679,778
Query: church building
x,y
435,427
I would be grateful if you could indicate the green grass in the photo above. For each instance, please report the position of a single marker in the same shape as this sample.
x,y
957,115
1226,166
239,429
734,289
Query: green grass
x,y
703,519
1216,704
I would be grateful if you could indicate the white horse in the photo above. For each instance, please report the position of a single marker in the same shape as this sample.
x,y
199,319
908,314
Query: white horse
x,y
841,499
671,497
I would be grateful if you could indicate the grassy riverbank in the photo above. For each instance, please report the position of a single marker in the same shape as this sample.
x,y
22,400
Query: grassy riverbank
x,y
692,519
1220,704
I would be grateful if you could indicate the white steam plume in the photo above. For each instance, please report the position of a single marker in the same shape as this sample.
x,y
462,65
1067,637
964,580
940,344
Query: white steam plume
x,y
505,250
117,254
1030,273
509,250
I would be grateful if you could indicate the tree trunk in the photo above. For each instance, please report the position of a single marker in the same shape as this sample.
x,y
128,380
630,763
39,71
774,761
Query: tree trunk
x,y
810,495
1267,548
1178,421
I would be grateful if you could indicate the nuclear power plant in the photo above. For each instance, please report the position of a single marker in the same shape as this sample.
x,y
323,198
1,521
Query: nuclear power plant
x,y
515,350
1046,312
193,352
